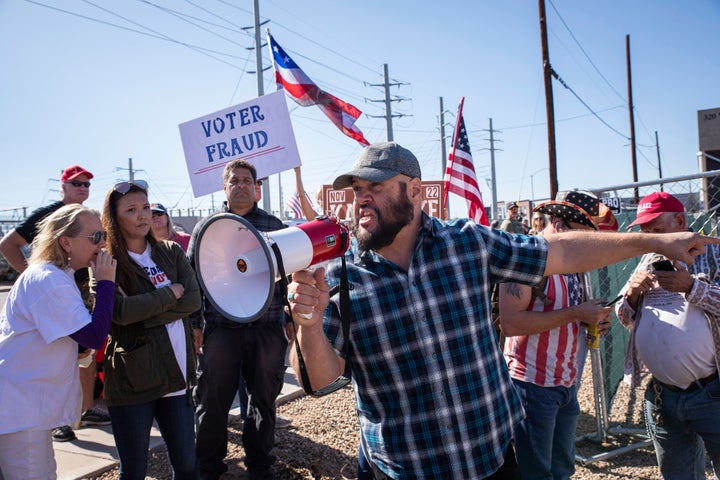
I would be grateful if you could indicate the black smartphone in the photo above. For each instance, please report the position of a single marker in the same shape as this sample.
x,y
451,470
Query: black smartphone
x,y
664,266
612,302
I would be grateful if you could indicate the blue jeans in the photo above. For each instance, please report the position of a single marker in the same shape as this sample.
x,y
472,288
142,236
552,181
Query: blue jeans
x,y
258,353
131,428
690,419
545,439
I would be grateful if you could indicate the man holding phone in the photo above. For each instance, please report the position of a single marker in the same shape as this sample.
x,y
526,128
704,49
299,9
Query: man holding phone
x,y
672,311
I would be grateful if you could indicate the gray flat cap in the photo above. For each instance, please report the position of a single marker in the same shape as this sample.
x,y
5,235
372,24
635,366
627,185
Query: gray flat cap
x,y
379,162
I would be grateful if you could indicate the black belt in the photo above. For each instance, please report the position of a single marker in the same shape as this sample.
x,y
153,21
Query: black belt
x,y
693,386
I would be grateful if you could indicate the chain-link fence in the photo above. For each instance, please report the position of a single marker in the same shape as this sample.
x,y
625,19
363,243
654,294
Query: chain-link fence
x,y
700,194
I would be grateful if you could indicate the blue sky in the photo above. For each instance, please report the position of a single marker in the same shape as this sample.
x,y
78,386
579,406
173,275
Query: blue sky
x,y
102,81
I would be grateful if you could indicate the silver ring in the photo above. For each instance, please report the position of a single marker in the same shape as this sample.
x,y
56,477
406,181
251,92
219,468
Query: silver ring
x,y
291,296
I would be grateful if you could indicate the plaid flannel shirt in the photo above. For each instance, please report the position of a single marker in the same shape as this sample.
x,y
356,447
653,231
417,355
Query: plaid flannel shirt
x,y
433,393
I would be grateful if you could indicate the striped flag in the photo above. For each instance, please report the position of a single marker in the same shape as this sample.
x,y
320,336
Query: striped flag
x,y
293,204
460,173
304,91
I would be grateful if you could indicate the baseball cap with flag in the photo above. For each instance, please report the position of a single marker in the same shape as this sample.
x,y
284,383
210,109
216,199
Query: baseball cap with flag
x,y
379,162
654,205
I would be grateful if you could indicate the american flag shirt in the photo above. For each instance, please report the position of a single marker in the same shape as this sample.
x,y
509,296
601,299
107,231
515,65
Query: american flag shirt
x,y
549,359
432,390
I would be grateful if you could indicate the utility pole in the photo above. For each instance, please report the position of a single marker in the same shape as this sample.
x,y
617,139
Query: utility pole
x,y
631,109
657,150
443,152
261,91
131,171
493,181
492,172
443,149
549,106
388,101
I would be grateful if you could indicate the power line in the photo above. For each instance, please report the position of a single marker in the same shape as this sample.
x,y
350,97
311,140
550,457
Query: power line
x,y
180,16
572,35
156,35
562,82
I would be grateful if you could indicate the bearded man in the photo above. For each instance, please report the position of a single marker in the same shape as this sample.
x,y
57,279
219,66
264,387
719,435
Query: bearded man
x,y
432,391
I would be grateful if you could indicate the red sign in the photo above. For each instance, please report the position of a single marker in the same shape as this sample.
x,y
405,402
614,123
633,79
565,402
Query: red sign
x,y
339,202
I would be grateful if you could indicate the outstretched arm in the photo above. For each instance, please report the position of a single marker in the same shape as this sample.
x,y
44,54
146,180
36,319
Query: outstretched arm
x,y
584,251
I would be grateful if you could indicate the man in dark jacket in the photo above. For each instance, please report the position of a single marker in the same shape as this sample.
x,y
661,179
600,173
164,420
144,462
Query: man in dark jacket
x,y
256,350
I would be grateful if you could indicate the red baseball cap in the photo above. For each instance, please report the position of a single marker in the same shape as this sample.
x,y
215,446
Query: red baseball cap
x,y
72,172
654,205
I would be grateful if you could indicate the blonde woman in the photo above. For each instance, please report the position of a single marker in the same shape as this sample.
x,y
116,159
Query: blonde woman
x,y
538,223
41,324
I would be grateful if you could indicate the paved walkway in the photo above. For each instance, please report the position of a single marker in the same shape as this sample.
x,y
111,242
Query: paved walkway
x,y
94,450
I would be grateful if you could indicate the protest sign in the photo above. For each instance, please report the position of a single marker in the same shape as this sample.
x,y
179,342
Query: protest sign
x,y
258,131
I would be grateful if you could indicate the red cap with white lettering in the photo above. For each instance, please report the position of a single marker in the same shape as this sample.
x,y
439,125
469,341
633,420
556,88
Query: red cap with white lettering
x,y
655,205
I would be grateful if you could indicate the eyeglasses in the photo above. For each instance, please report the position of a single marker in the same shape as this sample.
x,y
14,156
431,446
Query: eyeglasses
x,y
97,237
76,183
158,214
259,183
124,187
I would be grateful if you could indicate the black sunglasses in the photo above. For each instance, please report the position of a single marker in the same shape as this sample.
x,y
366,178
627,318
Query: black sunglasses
x,y
97,236
158,214
77,183
124,187
259,183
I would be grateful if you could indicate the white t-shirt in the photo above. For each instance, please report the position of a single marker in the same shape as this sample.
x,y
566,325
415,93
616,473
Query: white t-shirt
x,y
39,383
673,338
176,329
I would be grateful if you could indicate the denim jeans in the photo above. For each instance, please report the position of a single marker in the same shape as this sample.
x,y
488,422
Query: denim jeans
x,y
545,439
131,428
258,353
690,420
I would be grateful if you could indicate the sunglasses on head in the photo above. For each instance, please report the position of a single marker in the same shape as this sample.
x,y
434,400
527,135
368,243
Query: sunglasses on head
x,y
124,187
96,237
77,183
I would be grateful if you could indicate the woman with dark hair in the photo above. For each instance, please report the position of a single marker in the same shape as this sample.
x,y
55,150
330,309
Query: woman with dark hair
x,y
43,321
150,356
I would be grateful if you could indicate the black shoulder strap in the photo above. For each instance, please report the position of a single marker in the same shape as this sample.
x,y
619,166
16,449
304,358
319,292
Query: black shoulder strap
x,y
344,379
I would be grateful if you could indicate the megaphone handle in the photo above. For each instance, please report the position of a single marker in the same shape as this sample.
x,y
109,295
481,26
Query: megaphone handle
x,y
284,292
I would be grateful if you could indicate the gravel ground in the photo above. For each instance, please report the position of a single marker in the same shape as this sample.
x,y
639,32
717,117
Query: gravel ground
x,y
322,441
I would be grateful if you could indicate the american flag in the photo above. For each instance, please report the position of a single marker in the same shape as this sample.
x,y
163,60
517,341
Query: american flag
x,y
460,173
293,204
304,91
